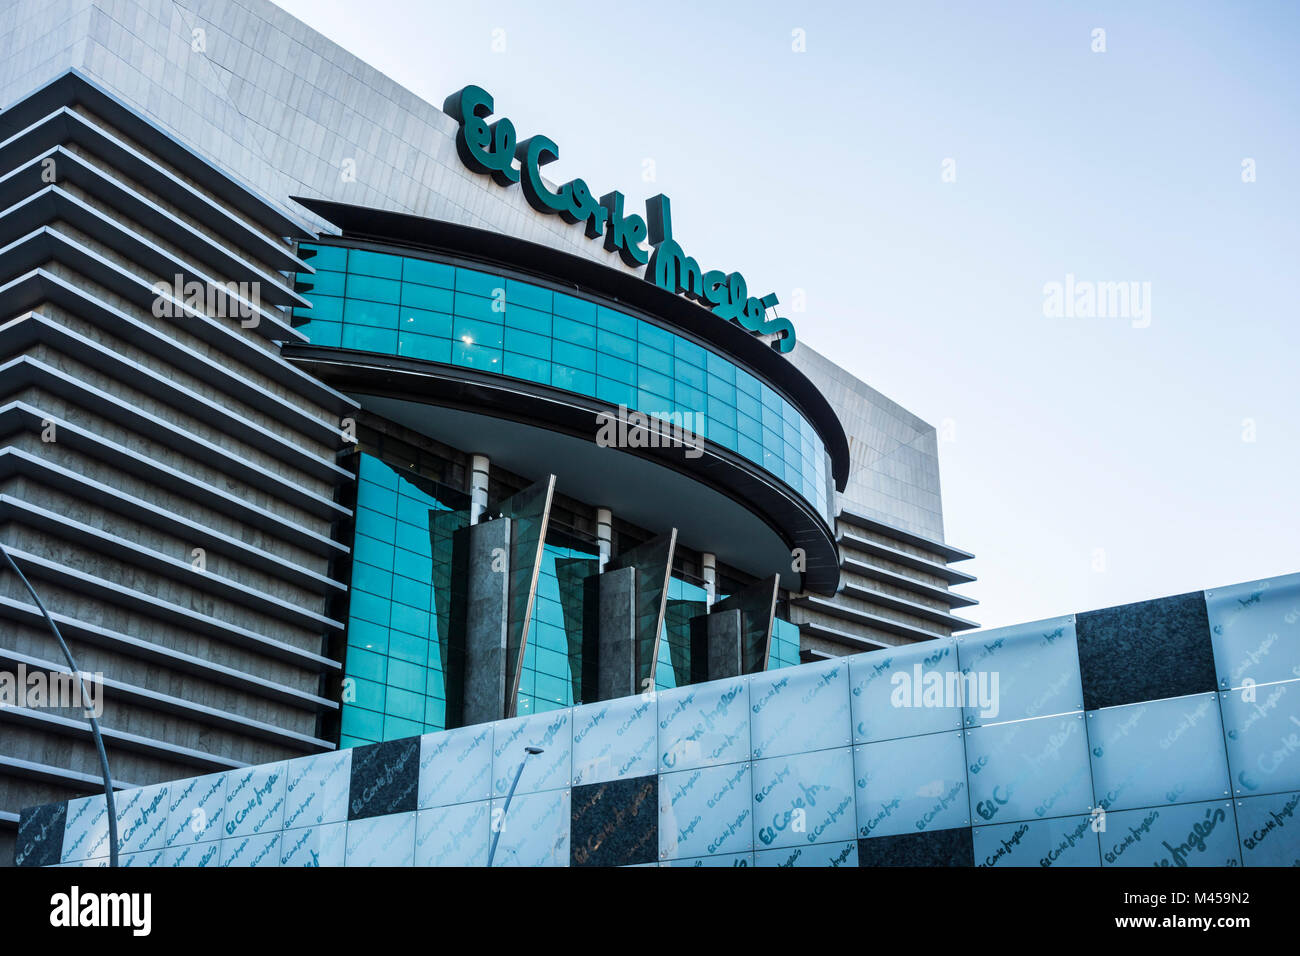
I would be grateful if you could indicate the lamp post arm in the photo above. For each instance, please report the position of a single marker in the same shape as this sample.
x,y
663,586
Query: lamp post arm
x,y
506,809
85,704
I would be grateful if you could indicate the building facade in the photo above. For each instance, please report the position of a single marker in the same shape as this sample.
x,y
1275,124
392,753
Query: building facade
x,y
331,422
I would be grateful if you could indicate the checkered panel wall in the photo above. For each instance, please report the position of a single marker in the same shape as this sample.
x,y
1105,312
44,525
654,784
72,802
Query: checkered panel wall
x,y
981,750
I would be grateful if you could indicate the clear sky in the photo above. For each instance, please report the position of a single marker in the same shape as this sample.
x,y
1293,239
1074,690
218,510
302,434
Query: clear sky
x,y
1087,461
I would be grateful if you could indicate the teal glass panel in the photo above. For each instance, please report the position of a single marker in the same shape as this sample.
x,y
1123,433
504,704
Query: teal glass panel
x,y
614,368
476,333
608,320
723,392
652,337
785,645
527,295
379,264
476,356
369,695
574,332
374,289
477,308
691,399
323,333
427,298
563,619
376,315
528,320
425,347
479,283
656,361
367,634
655,382
362,724
400,632
325,284
574,308
526,367
334,258
574,356
425,322
723,435
368,339
575,380
424,272
370,607
528,343
367,665
617,346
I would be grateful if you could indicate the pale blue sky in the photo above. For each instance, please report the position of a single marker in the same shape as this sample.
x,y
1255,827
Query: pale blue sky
x,y
821,171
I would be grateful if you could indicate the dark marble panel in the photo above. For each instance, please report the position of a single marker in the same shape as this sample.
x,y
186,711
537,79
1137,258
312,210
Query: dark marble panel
x,y
40,835
1145,651
927,848
385,778
615,823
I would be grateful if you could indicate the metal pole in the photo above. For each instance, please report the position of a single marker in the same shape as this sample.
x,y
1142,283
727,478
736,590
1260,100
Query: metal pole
x,y
85,705
528,752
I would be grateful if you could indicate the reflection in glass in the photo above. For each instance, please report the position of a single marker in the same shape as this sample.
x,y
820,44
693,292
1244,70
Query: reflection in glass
x,y
379,302
757,606
405,649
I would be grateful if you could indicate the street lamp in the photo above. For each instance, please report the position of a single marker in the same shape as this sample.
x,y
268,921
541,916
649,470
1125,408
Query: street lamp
x,y
85,703
501,825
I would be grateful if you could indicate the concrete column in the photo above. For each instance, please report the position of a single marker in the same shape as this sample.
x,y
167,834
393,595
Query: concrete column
x,y
604,534
487,594
709,571
724,644
478,487
616,652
